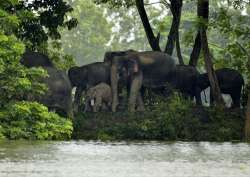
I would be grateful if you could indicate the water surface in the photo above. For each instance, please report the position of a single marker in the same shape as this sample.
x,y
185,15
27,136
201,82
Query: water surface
x,y
123,159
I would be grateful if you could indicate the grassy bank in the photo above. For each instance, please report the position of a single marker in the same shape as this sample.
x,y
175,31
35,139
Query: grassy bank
x,y
172,119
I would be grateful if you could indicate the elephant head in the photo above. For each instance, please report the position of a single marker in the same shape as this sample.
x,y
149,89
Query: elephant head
x,y
108,56
77,76
151,69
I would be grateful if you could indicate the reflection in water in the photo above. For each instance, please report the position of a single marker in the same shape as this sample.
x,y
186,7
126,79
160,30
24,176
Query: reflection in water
x,y
122,159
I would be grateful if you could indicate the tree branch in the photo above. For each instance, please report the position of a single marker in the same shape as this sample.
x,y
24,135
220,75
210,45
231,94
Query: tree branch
x,y
153,41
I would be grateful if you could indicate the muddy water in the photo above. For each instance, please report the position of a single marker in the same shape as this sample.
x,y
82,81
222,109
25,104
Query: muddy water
x,y
123,159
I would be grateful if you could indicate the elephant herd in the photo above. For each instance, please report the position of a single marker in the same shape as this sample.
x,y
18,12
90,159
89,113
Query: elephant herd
x,y
102,82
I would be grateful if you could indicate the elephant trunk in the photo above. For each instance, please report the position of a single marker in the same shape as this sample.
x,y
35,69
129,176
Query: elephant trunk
x,y
134,92
114,87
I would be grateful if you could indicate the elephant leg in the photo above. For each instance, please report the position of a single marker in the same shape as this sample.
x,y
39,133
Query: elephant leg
x,y
140,102
198,96
77,100
104,106
98,104
87,106
236,100
114,87
135,88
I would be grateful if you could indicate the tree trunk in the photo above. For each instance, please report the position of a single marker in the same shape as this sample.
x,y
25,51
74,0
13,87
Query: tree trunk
x,y
204,11
178,49
173,36
247,123
171,39
196,51
209,67
153,41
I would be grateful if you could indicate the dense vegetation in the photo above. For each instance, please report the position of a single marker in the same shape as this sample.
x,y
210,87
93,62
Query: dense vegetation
x,y
171,119
116,25
18,118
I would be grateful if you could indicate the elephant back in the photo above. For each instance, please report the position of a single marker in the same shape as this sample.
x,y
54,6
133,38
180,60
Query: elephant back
x,y
35,59
108,56
59,89
157,67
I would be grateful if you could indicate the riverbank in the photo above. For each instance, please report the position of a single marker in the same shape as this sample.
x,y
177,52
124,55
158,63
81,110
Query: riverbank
x,y
169,121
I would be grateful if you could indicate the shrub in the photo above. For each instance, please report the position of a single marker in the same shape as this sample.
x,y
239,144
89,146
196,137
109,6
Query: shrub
x,y
174,118
31,120
20,119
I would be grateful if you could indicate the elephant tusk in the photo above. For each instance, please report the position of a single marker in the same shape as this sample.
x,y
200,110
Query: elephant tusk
x,y
92,102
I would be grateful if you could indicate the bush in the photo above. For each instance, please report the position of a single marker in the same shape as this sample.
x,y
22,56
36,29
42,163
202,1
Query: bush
x,y
171,119
31,120
20,119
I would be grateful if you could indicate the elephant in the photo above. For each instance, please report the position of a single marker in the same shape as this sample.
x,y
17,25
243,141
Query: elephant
x,y
87,76
99,98
111,54
149,69
230,82
124,79
35,59
185,81
58,97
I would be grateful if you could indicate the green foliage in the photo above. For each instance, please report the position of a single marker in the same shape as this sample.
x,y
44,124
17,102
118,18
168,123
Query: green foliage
x,y
116,3
59,57
24,119
15,79
31,120
172,119
39,19
88,41
128,31
236,28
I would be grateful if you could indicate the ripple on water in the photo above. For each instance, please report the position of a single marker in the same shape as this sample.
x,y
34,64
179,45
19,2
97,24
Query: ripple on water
x,y
142,159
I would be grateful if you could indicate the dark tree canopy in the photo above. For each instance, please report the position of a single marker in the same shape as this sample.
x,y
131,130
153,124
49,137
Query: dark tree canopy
x,y
40,19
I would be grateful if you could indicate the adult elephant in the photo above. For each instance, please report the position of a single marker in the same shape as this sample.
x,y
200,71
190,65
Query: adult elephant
x,y
87,76
185,81
124,79
230,82
149,69
58,97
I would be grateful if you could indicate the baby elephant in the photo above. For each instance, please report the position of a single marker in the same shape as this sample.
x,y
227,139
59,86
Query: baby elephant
x,y
98,98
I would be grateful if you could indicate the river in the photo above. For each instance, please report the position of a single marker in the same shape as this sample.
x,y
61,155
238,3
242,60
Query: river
x,y
123,159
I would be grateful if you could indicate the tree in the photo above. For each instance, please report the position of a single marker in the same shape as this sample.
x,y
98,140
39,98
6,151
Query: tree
x,y
173,37
128,31
40,20
154,40
23,119
201,42
88,41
